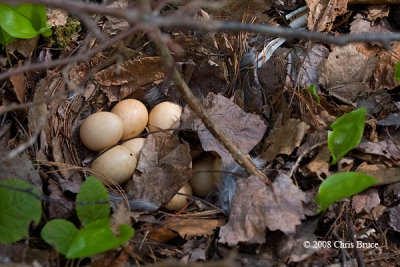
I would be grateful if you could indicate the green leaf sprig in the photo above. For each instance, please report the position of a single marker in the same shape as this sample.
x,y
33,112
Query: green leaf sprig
x,y
342,185
96,236
22,21
347,133
313,92
397,72
17,210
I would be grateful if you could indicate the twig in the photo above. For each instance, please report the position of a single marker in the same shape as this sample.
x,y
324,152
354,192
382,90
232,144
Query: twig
x,y
305,152
200,111
359,256
137,16
49,199
342,250
77,58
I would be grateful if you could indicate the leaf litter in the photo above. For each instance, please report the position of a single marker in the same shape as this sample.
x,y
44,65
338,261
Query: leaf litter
x,y
263,112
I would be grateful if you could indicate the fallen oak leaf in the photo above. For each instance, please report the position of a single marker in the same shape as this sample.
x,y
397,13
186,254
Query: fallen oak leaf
x,y
166,167
244,129
257,206
190,228
285,139
366,200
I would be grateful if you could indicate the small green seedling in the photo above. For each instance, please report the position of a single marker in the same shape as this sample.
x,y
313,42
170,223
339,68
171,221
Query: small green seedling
x,y
96,236
17,210
397,72
22,21
340,186
347,133
313,92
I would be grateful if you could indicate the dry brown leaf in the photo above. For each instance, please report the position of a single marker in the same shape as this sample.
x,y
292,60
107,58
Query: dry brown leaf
x,y
391,194
256,206
24,46
161,235
58,155
209,76
196,249
272,74
308,69
383,74
360,25
285,139
18,81
385,148
392,120
345,164
166,168
345,72
291,248
19,254
120,216
366,200
174,262
384,174
72,185
234,10
190,228
320,164
115,25
377,103
395,218
57,210
19,167
323,13
245,130
148,155
138,71
377,12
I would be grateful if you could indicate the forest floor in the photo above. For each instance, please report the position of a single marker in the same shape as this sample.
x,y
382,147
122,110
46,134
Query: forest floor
x,y
274,103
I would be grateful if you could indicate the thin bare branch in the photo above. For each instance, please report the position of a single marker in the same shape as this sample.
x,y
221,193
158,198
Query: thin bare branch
x,y
143,20
63,61
136,16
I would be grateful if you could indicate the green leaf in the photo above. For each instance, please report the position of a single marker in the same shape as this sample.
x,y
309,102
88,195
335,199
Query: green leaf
x,y
92,190
342,185
60,233
23,21
313,91
97,237
347,133
5,38
17,210
397,72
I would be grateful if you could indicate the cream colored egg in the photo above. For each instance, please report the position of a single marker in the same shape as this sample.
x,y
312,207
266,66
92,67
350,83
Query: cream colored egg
x,y
116,164
164,116
179,201
101,130
135,145
202,180
134,116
